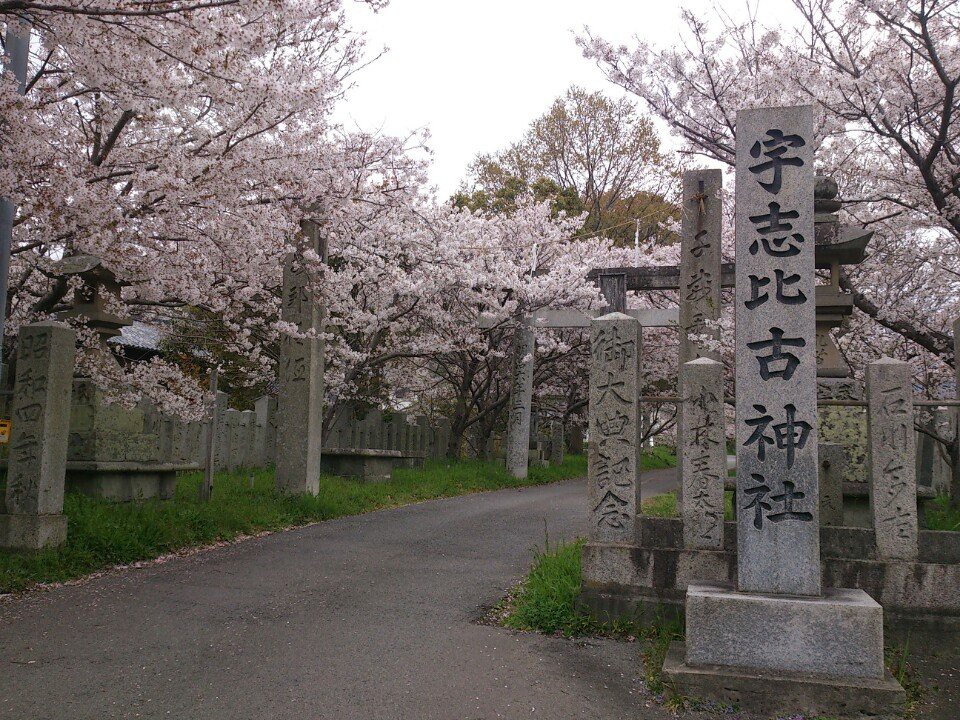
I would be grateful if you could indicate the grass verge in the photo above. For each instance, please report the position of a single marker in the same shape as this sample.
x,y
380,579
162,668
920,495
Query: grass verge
x,y
102,534
547,602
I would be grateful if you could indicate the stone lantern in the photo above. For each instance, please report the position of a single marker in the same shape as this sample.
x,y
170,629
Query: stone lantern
x,y
836,245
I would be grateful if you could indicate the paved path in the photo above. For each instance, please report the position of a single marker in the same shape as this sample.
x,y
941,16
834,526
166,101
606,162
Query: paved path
x,y
364,617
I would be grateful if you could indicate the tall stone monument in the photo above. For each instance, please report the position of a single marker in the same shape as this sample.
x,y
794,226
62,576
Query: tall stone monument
x,y
521,401
778,642
33,517
300,386
614,451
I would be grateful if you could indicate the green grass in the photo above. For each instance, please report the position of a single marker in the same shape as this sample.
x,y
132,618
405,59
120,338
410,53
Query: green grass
x,y
101,534
665,505
939,516
657,457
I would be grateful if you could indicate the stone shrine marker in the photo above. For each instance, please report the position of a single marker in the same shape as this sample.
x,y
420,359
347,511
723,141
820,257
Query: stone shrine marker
x,y
38,445
778,535
300,386
778,643
614,452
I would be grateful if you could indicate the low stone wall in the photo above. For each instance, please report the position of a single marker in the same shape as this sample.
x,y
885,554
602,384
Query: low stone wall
x,y
651,576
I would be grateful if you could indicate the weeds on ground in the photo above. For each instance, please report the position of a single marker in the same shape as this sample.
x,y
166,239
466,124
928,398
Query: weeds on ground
x,y
102,534
940,516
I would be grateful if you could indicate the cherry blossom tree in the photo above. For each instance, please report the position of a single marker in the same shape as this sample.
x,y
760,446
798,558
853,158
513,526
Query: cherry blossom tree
x,y
181,142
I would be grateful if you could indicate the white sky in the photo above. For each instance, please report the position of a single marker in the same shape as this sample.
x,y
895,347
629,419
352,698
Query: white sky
x,y
477,73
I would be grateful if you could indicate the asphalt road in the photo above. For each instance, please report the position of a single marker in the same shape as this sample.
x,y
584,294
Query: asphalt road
x,y
363,617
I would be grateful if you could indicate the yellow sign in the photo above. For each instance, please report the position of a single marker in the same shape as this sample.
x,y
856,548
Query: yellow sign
x,y
5,426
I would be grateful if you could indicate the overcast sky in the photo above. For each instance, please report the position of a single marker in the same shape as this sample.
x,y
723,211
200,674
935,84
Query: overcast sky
x,y
477,73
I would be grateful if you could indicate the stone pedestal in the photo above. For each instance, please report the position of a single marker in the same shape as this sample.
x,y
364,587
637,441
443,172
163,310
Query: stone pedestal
x,y
817,655
779,694
839,633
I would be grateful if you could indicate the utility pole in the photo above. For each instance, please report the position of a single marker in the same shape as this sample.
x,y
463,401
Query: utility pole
x,y
18,53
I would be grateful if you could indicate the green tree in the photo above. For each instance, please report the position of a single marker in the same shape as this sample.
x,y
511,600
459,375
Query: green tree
x,y
587,154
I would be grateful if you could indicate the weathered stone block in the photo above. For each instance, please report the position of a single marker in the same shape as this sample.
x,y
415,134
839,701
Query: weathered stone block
x,y
41,411
839,634
833,466
782,693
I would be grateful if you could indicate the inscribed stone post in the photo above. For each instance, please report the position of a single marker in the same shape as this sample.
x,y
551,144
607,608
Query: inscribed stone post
x,y
704,453
521,400
300,387
778,533
892,459
700,257
614,452
38,444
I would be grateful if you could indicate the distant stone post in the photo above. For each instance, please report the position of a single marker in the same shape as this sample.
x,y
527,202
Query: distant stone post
x,y
38,445
704,453
778,532
891,448
300,387
231,421
700,220
521,401
556,443
833,468
266,409
614,451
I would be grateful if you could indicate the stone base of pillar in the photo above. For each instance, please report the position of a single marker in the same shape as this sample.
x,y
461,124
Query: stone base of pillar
x,y
775,694
773,653
32,532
